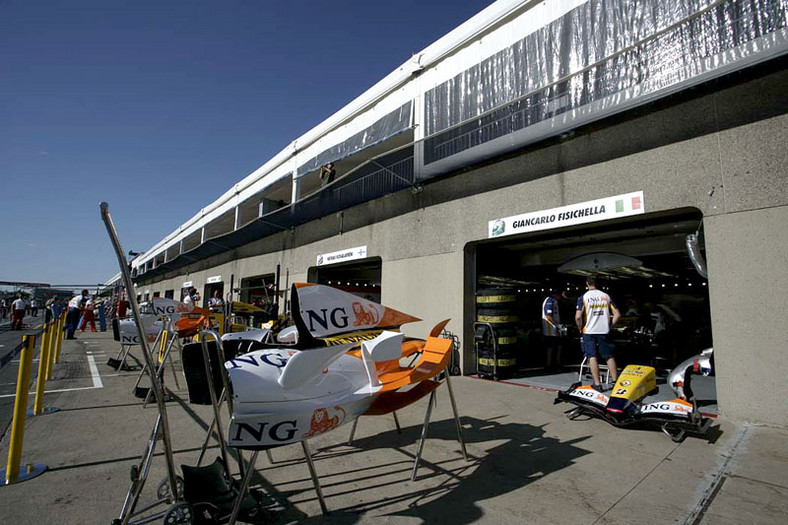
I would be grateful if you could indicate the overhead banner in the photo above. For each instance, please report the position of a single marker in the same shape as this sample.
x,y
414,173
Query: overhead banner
x,y
359,252
584,212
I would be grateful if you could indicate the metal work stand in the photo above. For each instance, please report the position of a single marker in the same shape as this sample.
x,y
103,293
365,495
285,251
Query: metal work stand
x,y
427,423
161,430
355,423
119,362
313,473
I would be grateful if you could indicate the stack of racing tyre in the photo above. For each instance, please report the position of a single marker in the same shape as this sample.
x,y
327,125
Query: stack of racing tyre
x,y
497,307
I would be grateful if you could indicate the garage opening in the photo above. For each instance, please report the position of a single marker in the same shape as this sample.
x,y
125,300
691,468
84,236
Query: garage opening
x,y
258,290
642,262
361,278
209,290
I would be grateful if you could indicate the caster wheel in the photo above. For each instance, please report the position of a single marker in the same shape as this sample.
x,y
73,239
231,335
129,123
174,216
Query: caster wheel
x,y
179,514
163,490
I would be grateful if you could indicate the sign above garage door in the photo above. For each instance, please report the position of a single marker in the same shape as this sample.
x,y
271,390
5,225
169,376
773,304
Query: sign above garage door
x,y
359,252
580,213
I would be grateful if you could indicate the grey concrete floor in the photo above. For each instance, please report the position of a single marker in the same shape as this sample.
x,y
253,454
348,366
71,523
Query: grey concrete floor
x,y
527,462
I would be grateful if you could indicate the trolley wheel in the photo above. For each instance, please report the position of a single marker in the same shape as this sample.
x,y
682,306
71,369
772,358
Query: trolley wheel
x,y
163,490
179,514
455,370
207,513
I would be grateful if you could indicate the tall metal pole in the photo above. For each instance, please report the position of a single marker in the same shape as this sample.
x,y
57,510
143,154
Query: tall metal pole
x,y
135,309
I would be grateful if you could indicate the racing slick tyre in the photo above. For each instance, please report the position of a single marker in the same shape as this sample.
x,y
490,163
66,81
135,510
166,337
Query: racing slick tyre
x,y
506,361
496,298
497,317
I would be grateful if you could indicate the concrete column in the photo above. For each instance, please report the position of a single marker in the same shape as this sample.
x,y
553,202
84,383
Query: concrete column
x,y
418,132
747,256
296,193
438,280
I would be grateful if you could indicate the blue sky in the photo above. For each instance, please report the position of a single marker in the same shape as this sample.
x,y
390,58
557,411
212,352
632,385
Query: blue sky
x,y
158,107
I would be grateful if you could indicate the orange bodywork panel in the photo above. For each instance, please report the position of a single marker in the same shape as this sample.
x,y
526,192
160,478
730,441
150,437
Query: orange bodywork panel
x,y
191,323
392,401
434,359
435,355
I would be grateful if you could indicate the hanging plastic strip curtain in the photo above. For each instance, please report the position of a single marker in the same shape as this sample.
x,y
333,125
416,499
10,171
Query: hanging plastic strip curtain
x,y
599,57
386,127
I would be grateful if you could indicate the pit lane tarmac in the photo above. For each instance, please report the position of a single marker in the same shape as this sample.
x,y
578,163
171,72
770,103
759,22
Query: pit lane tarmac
x,y
528,462
77,370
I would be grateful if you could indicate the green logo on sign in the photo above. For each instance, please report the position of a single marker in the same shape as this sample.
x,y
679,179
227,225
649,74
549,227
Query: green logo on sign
x,y
619,206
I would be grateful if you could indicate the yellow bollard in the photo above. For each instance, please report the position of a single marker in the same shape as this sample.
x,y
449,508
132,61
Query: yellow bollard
x,y
50,349
41,381
11,473
59,336
162,345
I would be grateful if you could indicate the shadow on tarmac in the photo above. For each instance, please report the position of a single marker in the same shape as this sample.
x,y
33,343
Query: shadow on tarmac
x,y
518,454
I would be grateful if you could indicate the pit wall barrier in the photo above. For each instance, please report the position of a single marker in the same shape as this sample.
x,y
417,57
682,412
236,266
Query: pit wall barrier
x,y
51,340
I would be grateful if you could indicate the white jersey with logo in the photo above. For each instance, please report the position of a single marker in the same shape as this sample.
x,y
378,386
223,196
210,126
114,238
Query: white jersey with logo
x,y
596,307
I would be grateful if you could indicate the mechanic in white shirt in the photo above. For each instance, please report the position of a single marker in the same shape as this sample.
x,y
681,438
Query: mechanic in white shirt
x,y
17,313
593,318
75,307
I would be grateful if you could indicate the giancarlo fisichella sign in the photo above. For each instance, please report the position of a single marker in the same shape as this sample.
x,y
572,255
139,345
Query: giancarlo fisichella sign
x,y
583,212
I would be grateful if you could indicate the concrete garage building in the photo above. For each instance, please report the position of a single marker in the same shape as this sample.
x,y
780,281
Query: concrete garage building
x,y
531,135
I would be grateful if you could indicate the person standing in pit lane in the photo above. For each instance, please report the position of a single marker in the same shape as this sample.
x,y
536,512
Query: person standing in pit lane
x,y
3,307
88,316
75,307
48,309
551,330
593,318
121,306
17,313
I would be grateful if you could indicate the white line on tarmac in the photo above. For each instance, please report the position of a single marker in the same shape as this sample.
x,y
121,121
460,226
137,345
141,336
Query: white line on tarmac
x,y
93,372
52,391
